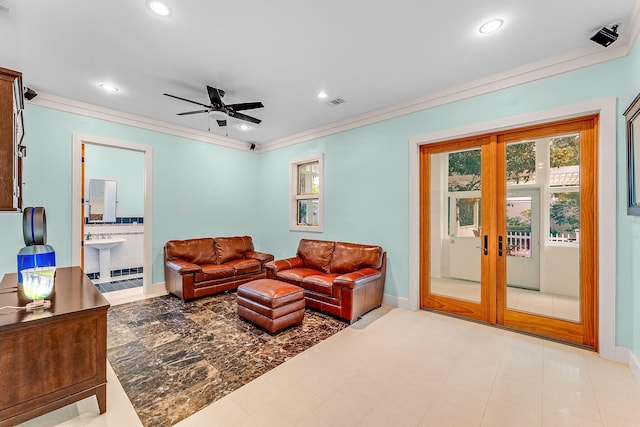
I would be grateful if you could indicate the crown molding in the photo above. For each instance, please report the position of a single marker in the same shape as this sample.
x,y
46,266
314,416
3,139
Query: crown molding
x,y
560,64
68,105
632,28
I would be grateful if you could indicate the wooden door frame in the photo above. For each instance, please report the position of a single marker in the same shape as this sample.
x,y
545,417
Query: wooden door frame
x,y
606,182
479,311
76,196
584,332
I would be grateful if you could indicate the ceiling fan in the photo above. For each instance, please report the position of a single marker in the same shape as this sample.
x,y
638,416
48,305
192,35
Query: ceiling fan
x,y
230,110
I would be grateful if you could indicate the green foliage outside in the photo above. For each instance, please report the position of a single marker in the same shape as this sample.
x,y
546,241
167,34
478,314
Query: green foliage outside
x,y
465,163
521,161
524,220
465,168
466,208
564,151
565,213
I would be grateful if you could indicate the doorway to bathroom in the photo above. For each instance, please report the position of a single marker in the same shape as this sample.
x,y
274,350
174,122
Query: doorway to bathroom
x,y
113,219
112,212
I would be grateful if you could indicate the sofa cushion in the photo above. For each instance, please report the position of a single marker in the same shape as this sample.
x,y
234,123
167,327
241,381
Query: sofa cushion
x,y
321,283
295,275
348,257
358,278
244,266
216,271
316,254
197,251
231,248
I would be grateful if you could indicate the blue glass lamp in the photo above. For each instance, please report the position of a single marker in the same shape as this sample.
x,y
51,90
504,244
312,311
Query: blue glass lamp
x,y
37,253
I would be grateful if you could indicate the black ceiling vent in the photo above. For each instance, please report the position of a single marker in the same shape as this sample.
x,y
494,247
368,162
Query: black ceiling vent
x,y
335,101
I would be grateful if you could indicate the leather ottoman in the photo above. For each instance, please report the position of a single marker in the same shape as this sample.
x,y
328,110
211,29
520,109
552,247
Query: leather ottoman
x,y
271,304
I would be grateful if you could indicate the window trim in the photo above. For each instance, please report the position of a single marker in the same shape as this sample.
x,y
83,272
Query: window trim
x,y
294,197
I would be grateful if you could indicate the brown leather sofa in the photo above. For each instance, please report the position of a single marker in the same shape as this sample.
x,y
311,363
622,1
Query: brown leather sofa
x,y
342,279
198,267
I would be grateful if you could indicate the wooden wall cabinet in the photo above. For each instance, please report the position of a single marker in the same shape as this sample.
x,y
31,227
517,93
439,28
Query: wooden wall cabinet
x,y
11,133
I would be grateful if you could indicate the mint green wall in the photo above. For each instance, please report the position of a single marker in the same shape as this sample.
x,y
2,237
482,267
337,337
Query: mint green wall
x,y
630,228
199,189
126,167
366,172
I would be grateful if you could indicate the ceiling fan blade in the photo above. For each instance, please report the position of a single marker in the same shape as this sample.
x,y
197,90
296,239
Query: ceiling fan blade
x,y
246,106
221,123
245,117
214,96
193,112
183,99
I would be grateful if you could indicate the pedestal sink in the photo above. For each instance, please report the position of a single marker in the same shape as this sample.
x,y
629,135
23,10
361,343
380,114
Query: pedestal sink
x,y
104,247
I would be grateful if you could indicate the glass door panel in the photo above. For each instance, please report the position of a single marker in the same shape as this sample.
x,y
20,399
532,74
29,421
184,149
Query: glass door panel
x,y
455,230
542,232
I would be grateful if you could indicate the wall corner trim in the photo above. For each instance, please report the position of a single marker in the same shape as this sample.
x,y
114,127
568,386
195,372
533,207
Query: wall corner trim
x,y
628,357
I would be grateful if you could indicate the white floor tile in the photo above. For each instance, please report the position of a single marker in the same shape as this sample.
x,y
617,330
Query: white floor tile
x,y
403,368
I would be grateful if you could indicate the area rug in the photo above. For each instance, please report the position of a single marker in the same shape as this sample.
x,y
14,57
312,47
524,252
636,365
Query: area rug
x,y
174,358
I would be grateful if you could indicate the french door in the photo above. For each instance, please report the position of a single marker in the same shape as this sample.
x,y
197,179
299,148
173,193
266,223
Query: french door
x,y
508,231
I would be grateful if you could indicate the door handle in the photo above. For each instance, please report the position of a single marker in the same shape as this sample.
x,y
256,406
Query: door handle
x,y
499,245
485,247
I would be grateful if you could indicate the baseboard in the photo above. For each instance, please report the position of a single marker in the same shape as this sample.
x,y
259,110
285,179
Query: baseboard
x,y
626,356
157,288
396,301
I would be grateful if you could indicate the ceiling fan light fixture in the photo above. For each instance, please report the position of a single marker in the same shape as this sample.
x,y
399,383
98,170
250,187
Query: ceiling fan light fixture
x,y
491,26
218,115
108,87
159,8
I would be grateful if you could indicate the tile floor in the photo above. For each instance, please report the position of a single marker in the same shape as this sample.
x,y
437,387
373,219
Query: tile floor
x,y
531,301
402,368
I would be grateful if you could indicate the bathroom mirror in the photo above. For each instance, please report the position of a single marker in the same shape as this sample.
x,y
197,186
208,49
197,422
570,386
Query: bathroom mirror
x,y
102,200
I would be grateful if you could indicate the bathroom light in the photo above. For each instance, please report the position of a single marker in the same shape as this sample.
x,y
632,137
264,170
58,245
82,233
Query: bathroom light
x,y
322,95
108,87
491,26
159,8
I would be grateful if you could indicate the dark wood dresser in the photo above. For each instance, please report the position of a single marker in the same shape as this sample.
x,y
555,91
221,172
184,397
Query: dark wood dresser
x,y
55,357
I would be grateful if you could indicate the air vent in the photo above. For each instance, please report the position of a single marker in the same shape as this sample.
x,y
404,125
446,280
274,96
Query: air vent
x,y
335,101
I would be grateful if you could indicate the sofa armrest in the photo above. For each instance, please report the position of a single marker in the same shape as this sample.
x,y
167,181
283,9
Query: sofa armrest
x,y
357,278
284,264
183,267
259,256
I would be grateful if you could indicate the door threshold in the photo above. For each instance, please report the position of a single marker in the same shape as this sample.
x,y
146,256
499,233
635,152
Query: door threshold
x,y
506,328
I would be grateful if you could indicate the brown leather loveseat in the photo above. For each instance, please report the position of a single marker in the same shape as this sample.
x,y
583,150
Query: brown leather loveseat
x,y
198,267
342,279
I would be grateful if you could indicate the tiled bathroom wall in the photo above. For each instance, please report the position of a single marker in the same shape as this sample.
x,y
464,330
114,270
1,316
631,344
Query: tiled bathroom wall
x,y
127,257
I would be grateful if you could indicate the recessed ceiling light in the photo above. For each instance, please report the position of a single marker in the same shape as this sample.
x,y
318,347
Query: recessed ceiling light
x,y
159,8
108,87
491,26
243,127
322,95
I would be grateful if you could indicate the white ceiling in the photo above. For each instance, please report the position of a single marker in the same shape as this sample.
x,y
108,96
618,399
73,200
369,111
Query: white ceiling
x,y
371,53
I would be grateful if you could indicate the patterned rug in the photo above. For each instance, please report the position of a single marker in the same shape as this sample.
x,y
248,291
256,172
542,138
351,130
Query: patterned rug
x,y
174,358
